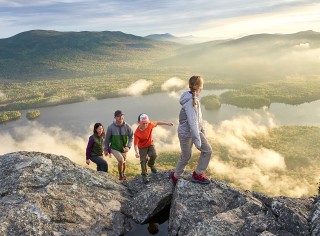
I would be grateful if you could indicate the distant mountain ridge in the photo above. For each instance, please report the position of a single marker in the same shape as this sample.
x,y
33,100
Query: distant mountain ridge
x,y
182,40
40,41
43,54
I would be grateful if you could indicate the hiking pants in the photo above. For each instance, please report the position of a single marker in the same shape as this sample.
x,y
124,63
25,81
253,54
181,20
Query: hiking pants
x,y
102,164
186,150
144,160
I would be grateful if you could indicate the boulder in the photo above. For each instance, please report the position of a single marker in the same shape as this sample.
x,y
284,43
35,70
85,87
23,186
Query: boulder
x,y
219,209
45,194
149,199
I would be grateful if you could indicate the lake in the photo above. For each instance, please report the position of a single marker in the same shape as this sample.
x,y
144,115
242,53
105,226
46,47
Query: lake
x,y
77,117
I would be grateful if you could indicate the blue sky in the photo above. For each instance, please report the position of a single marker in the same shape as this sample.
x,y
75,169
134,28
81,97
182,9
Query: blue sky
x,y
214,19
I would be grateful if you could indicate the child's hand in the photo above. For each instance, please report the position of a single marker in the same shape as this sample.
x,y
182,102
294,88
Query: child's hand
x,y
88,161
170,123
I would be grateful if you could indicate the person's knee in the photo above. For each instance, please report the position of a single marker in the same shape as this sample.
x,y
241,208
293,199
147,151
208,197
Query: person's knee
x,y
105,168
207,149
121,162
143,162
154,156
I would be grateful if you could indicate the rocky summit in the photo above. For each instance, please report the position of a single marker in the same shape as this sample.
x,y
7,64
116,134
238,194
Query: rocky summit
x,y
46,194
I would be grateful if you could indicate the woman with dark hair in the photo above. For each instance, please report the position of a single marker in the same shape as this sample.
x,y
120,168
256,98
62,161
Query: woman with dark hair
x,y
94,151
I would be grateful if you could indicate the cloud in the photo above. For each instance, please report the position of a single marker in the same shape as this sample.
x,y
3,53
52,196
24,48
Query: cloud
x,y
302,46
263,169
288,17
174,94
137,88
173,83
217,19
35,137
233,135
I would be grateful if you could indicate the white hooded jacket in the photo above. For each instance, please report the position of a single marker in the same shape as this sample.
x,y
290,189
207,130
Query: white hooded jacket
x,y
190,119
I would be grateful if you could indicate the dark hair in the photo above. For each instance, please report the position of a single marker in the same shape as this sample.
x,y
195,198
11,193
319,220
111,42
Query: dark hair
x,y
96,126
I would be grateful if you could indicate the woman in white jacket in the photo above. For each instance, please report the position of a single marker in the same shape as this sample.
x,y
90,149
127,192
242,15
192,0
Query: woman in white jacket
x,y
191,131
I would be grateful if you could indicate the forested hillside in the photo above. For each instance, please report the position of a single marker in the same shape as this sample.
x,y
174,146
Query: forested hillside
x,y
46,55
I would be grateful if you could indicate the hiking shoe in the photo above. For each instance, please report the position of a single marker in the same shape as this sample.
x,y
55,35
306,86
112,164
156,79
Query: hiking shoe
x,y
201,179
154,170
145,179
174,179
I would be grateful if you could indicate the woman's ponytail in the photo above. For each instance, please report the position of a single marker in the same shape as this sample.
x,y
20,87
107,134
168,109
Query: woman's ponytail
x,y
194,83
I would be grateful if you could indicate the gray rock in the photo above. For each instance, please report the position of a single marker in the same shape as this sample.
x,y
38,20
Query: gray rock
x,y
219,209
45,194
149,199
315,218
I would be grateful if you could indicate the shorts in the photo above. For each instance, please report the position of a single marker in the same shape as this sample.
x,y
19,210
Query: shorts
x,y
119,155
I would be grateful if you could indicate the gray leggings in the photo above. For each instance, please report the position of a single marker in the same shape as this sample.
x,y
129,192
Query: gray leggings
x,y
186,150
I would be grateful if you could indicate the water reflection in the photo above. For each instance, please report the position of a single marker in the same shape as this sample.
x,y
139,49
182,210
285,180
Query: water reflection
x,y
157,225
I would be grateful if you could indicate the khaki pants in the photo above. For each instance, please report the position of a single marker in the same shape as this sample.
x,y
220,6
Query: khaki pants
x,y
144,160
186,150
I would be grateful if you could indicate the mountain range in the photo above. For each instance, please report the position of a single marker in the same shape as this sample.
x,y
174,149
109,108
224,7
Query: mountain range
x,y
42,54
182,40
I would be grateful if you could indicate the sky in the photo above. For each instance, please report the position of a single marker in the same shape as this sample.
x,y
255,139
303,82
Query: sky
x,y
218,19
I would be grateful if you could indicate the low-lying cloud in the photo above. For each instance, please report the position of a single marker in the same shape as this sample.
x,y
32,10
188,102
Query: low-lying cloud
x,y
173,83
233,134
263,167
137,88
302,46
35,137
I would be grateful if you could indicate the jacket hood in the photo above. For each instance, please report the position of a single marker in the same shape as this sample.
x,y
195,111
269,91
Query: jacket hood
x,y
185,97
